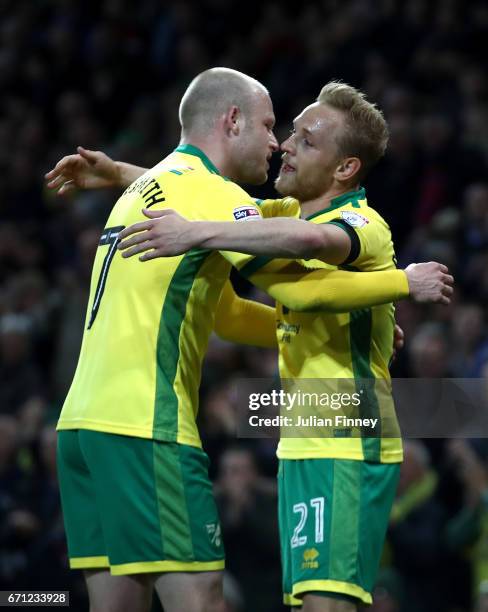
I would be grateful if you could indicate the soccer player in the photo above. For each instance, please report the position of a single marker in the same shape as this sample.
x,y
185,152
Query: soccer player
x,y
129,451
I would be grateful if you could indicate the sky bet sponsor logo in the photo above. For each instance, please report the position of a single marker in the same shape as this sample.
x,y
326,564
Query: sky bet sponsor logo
x,y
243,213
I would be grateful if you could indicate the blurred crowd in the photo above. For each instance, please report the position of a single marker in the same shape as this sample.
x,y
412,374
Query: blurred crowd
x,y
108,75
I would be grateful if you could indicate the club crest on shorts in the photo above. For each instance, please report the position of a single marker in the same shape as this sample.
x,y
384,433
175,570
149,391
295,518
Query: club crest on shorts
x,y
214,532
354,219
245,213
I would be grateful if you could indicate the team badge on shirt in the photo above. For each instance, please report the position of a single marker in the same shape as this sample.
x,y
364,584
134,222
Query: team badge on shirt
x,y
354,219
245,213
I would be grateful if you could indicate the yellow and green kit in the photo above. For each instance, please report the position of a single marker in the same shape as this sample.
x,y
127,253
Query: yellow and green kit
x,y
146,332
134,481
147,325
335,493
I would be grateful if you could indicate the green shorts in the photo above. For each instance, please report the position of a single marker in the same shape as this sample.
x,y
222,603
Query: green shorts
x,y
135,505
333,516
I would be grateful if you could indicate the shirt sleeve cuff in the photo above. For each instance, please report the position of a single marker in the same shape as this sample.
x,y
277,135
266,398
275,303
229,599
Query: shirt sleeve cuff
x,y
401,283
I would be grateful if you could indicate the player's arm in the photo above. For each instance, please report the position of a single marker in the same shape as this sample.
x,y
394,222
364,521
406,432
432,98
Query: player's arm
x,y
245,321
91,170
276,237
343,291
302,290
168,233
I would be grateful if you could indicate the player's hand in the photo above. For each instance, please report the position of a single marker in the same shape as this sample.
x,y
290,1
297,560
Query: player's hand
x,y
430,282
398,338
166,234
398,341
84,170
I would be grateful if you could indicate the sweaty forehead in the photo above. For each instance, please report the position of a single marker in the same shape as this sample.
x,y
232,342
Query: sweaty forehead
x,y
318,118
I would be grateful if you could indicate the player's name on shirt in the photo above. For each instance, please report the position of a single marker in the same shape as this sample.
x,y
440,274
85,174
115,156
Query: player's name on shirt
x,y
148,188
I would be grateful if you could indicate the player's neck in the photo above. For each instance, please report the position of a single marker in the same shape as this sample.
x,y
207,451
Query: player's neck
x,y
324,201
213,150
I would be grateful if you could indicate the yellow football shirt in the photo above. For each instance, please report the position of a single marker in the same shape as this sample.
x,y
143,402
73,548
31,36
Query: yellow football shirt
x,y
147,325
356,345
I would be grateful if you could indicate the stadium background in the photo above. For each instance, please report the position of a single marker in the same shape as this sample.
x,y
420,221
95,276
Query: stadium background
x,y
108,75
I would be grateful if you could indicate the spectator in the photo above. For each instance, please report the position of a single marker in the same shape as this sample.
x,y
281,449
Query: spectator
x,y
416,532
247,506
20,377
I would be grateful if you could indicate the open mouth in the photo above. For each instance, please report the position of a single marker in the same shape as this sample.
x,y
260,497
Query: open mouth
x,y
286,168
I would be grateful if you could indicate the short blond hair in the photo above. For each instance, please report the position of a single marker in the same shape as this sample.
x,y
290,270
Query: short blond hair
x,y
366,133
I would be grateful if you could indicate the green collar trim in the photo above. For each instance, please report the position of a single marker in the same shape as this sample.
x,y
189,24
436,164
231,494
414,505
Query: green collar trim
x,y
346,198
189,149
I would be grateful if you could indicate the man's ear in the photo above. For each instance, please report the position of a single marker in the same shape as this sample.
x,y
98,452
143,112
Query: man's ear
x,y
347,169
233,120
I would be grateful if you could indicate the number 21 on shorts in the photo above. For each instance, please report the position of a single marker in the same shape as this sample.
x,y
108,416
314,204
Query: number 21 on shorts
x,y
317,505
